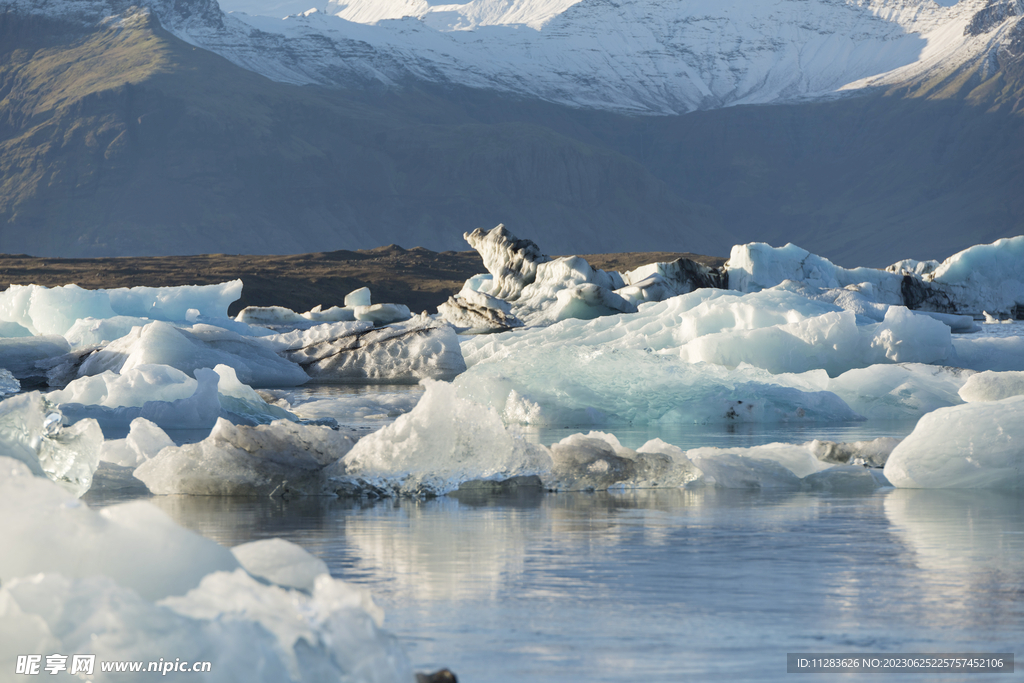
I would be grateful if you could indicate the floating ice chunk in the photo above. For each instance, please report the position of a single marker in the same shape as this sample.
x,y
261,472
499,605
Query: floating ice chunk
x,y
757,266
8,383
45,311
127,583
732,471
136,544
145,439
283,563
203,346
989,353
799,459
992,386
976,445
282,459
662,326
269,315
26,357
173,303
872,453
845,479
242,401
358,297
596,385
34,432
446,440
382,314
901,391
597,461
987,277
332,634
476,313
401,353
833,342
333,314
134,387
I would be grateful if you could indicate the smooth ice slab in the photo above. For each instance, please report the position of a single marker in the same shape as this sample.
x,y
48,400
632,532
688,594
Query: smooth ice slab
x,y
972,446
992,386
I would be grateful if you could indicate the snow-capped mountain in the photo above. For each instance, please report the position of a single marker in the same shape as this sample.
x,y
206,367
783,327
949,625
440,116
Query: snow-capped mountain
x,y
642,56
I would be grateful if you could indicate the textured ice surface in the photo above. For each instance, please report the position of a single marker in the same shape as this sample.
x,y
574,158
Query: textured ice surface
x,y
526,287
587,385
778,330
992,386
360,405
597,461
281,459
87,332
116,400
871,453
445,441
833,342
906,390
204,346
976,445
127,583
757,266
33,431
400,353
845,479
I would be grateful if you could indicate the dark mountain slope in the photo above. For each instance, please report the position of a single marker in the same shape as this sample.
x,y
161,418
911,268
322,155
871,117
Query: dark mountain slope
x,y
124,140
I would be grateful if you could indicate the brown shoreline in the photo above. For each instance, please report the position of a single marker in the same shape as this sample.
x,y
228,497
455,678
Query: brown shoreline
x,y
417,277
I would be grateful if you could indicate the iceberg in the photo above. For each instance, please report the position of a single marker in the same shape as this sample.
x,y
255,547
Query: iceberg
x,y
597,461
204,346
989,353
357,352
214,394
525,287
145,439
9,384
992,386
127,583
900,391
975,445
281,459
46,311
986,277
445,441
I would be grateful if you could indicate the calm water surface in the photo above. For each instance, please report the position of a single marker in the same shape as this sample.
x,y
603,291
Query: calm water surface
x,y
674,585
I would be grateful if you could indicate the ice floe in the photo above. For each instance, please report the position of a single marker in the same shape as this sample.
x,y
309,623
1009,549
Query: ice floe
x,y
992,386
127,583
280,459
976,445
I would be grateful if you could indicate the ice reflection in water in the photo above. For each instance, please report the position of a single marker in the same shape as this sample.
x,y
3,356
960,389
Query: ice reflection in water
x,y
663,585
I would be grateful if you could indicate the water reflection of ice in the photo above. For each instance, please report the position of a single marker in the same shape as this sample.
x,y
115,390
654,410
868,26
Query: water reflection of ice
x,y
662,585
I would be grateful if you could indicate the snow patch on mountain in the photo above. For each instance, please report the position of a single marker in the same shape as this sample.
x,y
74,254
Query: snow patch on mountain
x,y
640,56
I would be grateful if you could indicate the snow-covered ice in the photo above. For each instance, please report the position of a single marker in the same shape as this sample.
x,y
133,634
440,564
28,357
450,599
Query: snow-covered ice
x,y
992,386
